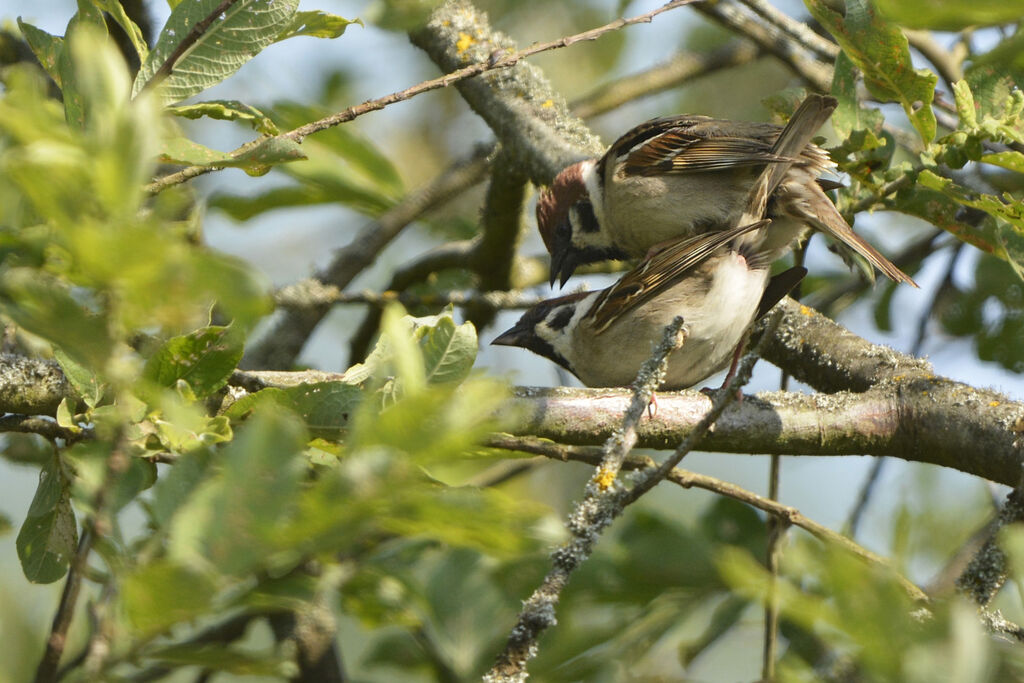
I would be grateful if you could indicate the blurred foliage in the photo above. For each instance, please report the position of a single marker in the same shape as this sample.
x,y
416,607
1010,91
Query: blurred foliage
x,y
355,492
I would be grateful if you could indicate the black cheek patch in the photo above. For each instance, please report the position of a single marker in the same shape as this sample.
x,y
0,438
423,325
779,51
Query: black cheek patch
x,y
561,319
587,219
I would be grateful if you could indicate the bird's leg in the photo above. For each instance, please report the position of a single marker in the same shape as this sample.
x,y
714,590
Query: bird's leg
x,y
652,407
736,355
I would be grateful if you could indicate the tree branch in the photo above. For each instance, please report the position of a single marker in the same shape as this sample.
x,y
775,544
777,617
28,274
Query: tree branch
x,y
771,39
32,387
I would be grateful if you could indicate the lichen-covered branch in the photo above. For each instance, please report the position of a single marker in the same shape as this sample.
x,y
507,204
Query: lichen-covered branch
x,y
602,502
934,421
819,352
987,571
32,387
528,116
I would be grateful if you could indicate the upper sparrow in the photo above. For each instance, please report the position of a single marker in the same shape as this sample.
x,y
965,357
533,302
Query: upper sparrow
x,y
717,281
684,175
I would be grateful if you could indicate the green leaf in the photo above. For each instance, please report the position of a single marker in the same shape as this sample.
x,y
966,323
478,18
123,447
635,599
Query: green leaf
x,y
1010,159
449,351
47,48
880,51
86,383
1005,208
951,15
159,595
216,657
88,19
205,359
446,351
234,520
325,407
256,161
45,307
850,116
64,416
225,42
227,110
48,538
116,10
317,23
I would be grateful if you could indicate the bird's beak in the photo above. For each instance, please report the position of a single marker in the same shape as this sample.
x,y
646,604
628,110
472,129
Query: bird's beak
x,y
562,263
511,337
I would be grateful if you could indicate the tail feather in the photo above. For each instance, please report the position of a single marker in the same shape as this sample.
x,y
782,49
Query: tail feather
x,y
816,210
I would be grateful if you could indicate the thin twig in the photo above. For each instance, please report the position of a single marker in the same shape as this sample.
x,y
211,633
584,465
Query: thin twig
x,y
28,424
864,497
682,68
986,573
95,526
719,402
776,527
948,63
592,455
502,62
797,30
772,40
940,289
600,505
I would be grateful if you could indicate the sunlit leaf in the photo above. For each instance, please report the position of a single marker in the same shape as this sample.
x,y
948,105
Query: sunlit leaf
x,y
45,47
256,161
226,110
880,51
219,44
317,24
116,10
87,384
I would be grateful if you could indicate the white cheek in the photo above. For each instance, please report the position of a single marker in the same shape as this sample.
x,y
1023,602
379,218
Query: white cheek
x,y
563,340
593,184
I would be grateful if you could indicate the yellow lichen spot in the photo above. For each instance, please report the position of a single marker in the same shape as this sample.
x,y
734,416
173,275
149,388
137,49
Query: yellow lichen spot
x,y
805,310
547,103
464,41
924,393
604,479
993,404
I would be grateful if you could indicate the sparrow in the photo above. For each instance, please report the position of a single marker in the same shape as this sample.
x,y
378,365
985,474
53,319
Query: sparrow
x,y
681,176
718,281
603,337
